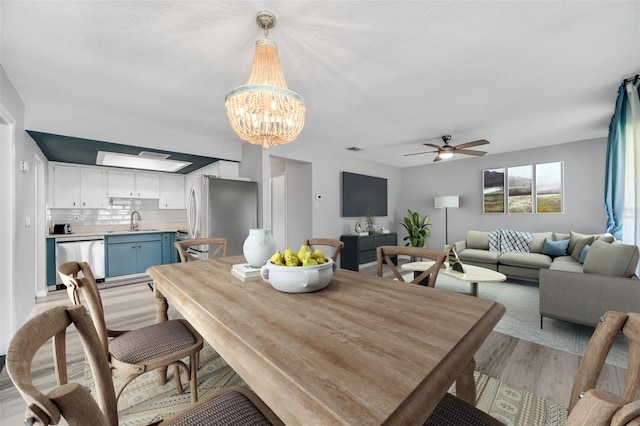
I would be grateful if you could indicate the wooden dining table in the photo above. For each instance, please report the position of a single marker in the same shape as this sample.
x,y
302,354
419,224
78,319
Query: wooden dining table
x,y
363,351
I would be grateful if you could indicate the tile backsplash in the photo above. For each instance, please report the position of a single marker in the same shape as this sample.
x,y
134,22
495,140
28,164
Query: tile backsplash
x,y
117,213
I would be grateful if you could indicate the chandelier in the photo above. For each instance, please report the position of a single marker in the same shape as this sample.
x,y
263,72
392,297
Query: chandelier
x,y
264,111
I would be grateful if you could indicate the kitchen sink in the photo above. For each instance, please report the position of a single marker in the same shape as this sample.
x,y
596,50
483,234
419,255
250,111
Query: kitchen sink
x,y
136,230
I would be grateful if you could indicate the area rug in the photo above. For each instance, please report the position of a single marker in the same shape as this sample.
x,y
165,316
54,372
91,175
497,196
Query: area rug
x,y
522,318
143,401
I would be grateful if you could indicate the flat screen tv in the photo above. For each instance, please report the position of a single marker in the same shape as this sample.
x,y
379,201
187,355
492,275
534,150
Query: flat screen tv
x,y
363,195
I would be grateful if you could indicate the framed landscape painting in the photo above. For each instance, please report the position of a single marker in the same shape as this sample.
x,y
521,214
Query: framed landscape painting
x,y
493,191
520,189
549,188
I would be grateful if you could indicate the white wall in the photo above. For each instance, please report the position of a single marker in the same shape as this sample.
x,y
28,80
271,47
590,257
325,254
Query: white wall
x,y
21,286
584,164
326,180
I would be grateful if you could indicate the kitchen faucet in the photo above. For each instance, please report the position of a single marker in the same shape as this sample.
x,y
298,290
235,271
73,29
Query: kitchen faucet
x,y
133,225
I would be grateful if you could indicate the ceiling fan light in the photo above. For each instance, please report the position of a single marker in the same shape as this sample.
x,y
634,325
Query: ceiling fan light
x,y
446,155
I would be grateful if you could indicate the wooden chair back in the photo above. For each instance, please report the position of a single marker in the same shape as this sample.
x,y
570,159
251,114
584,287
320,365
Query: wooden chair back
x,y
337,245
217,247
385,253
83,289
70,401
597,407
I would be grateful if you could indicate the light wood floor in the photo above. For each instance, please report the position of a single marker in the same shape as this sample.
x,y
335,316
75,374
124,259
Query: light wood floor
x,y
544,371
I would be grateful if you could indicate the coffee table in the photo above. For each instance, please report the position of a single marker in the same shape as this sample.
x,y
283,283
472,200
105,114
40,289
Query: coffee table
x,y
472,274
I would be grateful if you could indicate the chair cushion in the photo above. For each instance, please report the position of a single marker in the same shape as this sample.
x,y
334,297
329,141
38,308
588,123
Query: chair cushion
x,y
229,409
151,342
615,259
452,411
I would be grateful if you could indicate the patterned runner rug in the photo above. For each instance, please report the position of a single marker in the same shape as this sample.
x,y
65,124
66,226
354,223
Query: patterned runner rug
x,y
143,401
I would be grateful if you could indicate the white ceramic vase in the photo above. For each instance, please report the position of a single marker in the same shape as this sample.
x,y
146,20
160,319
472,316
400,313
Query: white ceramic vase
x,y
258,247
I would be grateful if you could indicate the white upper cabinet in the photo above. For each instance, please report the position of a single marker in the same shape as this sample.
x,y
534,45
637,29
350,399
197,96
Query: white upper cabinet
x,y
93,188
147,185
172,192
121,184
78,187
125,184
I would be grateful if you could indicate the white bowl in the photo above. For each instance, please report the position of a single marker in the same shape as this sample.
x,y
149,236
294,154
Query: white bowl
x,y
298,279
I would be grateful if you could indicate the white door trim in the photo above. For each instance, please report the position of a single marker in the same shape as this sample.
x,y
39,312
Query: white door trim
x,y
7,226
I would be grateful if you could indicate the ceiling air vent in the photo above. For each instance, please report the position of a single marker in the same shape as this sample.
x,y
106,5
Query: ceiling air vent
x,y
354,149
156,155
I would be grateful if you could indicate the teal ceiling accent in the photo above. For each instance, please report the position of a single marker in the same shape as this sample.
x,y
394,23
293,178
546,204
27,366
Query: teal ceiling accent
x,y
67,149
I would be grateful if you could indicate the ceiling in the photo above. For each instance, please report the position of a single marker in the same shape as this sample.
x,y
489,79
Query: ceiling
x,y
384,76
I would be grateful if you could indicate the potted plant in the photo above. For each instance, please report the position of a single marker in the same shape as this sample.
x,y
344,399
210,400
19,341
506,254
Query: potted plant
x,y
417,227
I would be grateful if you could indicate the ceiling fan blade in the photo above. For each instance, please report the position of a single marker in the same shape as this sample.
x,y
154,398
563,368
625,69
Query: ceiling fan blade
x,y
432,145
470,152
437,158
419,153
474,143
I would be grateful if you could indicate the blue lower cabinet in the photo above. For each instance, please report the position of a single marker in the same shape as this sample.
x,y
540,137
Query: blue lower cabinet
x,y
132,254
169,253
122,259
51,262
149,254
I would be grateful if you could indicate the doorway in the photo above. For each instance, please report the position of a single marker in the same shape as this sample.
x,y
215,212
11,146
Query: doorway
x,y
291,202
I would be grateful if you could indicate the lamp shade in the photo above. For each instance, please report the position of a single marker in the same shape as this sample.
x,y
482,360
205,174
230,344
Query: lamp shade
x,y
446,201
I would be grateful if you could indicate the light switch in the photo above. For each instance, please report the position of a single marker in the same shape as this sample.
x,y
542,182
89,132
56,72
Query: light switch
x,y
27,222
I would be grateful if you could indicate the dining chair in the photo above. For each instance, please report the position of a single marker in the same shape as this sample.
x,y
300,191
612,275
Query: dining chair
x,y
597,407
234,406
215,246
315,243
385,253
132,353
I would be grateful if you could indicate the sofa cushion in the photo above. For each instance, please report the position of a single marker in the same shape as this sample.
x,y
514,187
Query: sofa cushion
x,y
537,242
606,237
578,245
557,236
555,248
478,240
566,264
525,260
481,256
611,259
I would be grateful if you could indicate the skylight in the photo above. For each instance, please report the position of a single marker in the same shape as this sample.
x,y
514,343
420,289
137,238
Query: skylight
x,y
115,159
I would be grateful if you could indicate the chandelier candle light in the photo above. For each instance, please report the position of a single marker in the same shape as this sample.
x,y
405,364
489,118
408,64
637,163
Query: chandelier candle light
x,y
264,111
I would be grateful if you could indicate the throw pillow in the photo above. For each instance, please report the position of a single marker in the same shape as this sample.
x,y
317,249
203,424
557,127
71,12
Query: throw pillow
x,y
555,248
517,241
478,240
583,254
619,260
537,242
494,240
576,250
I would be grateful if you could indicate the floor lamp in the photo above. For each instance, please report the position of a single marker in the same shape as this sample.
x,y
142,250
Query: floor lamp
x,y
445,202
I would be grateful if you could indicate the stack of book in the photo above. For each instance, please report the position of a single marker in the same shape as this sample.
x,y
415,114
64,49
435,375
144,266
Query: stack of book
x,y
245,272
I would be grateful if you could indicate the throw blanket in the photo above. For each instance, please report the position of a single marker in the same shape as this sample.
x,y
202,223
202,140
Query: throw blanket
x,y
506,240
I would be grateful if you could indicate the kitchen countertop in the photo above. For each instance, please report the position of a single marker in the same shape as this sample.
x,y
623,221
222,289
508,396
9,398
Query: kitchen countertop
x,y
101,231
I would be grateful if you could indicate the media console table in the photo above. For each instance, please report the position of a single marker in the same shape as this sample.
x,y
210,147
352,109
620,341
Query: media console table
x,y
362,249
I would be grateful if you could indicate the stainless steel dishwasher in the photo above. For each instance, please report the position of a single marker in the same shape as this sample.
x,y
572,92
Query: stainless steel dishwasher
x,y
81,249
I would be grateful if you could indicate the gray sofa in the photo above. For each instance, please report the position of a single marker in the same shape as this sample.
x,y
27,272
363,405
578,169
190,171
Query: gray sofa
x,y
569,290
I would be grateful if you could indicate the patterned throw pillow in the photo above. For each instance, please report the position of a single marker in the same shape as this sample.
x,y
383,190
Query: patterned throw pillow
x,y
494,240
517,241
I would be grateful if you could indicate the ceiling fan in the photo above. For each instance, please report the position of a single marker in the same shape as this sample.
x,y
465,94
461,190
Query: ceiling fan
x,y
447,151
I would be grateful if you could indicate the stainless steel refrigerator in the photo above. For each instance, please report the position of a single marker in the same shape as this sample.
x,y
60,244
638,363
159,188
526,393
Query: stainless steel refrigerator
x,y
223,208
